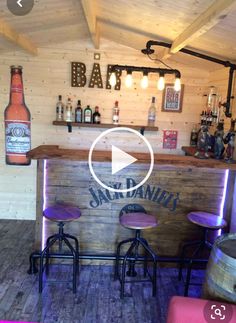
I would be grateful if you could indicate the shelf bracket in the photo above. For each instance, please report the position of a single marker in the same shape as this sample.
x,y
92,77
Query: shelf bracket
x,y
142,129
69,126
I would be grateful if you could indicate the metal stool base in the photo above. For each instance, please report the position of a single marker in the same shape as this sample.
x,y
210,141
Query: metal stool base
x,y
61,238
200,245
132,256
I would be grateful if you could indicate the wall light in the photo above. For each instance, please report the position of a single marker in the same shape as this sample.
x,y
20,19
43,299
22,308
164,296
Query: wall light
x,y
129,79
144,80
161,82
145,70
112,79
177,85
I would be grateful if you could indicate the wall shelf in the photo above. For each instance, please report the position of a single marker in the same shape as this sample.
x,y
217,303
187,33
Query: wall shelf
x,y
104,125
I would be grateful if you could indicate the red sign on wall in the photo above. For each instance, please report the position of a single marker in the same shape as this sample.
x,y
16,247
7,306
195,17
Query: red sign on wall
x,y
170,139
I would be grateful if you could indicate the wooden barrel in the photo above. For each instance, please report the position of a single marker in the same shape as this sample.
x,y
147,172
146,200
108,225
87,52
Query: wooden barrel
x,y
220,280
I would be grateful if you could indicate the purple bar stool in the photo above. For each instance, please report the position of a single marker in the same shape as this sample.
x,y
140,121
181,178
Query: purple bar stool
x,y
60,213
134,217
208,222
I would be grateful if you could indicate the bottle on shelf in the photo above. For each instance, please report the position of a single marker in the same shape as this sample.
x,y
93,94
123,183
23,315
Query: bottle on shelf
x,y
208,118
60,109
68,112
211,102
202,117
194,136
116,112
204,122
17,122
79,113
152,113
96,116
88,114
215,108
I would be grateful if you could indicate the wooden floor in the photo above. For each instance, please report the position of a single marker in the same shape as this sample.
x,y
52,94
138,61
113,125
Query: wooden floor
x,y
97,299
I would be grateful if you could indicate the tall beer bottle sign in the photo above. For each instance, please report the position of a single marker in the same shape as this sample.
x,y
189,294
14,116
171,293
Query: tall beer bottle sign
x,y
17,122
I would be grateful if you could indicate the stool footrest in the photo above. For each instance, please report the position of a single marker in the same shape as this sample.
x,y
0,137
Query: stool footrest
x,y
131,257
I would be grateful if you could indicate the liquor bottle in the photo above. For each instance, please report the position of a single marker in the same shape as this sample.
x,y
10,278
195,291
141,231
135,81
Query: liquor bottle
x,y
202,117
60,109
152,113
96,116
194,136
211,102
68,112
116,112
79,113
17,122
88,115
210,118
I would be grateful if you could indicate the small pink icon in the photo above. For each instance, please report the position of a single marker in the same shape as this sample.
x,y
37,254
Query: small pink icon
x,y
217,312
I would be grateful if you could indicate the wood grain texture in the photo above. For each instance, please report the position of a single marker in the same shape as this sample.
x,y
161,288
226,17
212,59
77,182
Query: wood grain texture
x,y
55,152
105,125
169,194
98,295
213,15
20,40
47,75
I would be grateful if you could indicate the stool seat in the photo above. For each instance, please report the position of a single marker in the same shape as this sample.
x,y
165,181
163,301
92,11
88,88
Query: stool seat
x,y
62,213
207,220
138,221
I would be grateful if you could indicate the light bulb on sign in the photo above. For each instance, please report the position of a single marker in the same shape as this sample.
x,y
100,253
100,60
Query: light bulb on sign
x,y
144,81
128,80
112,79
161,83
177,85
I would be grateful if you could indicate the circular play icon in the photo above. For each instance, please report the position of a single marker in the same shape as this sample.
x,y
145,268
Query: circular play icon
x,y
120,160
20,7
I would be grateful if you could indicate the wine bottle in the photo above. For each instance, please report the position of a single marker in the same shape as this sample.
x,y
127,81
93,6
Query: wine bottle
x,y
68,112
97,116
79,113
116,112
152,113
60,109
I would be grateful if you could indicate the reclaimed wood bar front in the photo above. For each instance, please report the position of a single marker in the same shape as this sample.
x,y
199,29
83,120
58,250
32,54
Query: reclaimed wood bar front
x,y
178,184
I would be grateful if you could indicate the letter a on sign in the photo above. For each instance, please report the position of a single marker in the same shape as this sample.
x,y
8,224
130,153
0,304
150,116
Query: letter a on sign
x,y
96,77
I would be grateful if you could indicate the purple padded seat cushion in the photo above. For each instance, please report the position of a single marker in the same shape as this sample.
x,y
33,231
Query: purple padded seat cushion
x,y
138,221
207,220
63,213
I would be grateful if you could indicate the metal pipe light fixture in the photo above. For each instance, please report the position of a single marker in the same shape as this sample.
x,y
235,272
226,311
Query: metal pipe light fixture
x,y
146,71
232,68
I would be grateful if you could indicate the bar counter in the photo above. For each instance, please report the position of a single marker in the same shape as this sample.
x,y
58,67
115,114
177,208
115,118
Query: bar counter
x,y
55,152
178,184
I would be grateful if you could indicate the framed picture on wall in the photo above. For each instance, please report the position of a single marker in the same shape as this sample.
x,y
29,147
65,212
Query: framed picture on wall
x,y
172,100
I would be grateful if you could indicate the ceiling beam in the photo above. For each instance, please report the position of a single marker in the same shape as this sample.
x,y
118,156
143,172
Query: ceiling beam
x,y
215,13
90,13
164,54
18,39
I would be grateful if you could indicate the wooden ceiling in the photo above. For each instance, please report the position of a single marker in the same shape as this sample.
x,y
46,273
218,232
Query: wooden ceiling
x,y
207,26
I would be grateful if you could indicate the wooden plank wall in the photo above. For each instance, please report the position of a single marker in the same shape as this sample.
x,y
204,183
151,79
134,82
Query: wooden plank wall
x,y
180,190
48,75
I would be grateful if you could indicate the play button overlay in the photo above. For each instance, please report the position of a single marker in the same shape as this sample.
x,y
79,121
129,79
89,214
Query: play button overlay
x,y
122,164
20,7
120,160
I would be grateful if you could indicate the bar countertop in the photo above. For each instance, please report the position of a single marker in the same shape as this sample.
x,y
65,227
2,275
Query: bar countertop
x,y
55,152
